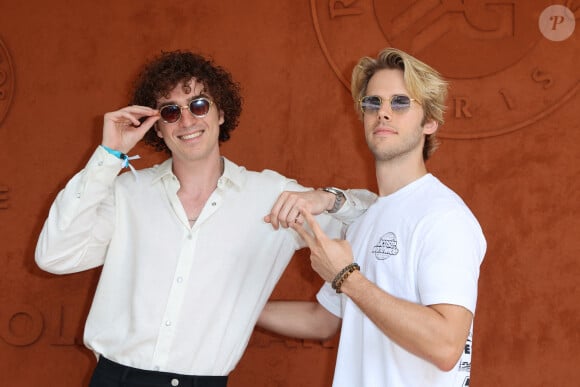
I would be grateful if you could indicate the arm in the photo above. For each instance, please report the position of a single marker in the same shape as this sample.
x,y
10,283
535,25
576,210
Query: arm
x,y
436,333
286,210
80,223
299,319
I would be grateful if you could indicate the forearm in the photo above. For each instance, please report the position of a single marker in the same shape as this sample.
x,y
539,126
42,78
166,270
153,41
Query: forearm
x,y
299,319
435,333
75,235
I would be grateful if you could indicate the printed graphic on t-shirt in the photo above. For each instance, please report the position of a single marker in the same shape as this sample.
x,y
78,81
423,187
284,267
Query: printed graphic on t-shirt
x,y
386,247
465,364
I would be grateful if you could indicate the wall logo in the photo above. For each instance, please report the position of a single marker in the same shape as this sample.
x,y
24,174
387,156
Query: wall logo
x,y
505,73
6,82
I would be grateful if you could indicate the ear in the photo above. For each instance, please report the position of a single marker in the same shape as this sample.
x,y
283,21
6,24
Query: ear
x,y
221,119
158,131
430,127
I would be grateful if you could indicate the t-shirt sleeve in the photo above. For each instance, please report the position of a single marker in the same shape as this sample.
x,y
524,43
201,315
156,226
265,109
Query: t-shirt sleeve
x,y
330,300
452,251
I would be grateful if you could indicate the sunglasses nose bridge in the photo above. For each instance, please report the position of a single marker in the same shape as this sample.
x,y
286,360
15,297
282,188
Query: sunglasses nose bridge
x,y
187,117
385,108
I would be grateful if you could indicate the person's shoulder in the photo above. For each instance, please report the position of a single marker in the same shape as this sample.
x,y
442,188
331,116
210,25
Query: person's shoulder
x,y
265,175
271,174
146,175
440,191
269,180
445,203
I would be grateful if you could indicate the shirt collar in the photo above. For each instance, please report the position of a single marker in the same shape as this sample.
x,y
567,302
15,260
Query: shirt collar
x,y
233,173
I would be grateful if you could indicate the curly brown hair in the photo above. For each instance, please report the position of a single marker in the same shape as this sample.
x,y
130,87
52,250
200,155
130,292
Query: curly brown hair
x,y
169,69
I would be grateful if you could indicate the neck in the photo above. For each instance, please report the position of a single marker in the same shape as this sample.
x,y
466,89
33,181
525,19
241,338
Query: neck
x,y
393,175
198,176
197,179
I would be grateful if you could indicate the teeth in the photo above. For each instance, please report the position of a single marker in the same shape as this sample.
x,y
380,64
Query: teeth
x,y
190,136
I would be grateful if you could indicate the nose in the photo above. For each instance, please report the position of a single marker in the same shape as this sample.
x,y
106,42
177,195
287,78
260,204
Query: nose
x,y
187,117
385,111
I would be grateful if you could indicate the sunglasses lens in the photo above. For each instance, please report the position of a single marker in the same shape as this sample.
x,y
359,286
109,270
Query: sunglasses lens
x,y
170,113
370,103
400,102
199,107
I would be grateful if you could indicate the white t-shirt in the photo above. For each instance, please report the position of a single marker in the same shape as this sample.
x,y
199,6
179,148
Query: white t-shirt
x,y
421,244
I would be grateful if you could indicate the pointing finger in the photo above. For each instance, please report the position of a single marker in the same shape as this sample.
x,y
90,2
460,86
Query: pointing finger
x,y
313,224
304,234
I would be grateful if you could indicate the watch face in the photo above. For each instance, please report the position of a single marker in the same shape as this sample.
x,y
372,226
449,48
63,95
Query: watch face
x,y
339,198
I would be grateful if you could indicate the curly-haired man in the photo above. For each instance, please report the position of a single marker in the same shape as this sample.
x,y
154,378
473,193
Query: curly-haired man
x,y
188,260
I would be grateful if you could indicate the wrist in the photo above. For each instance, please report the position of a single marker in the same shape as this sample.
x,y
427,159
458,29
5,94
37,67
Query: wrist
x,y
121,156
118,154
343,275
349,285
339,199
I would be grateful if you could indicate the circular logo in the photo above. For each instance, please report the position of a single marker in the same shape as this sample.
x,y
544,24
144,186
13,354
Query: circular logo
x,y
6,81
557,23
504,74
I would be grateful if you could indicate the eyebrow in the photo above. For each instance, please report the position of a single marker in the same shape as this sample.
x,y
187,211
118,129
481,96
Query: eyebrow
x,y
170,102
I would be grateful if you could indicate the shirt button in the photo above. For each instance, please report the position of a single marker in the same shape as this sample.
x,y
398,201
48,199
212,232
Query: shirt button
x,y
167,323
78,195
179,280
175,382
100,163
213,204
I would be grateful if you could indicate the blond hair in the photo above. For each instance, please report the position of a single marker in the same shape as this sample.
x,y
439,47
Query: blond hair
x,y
423,82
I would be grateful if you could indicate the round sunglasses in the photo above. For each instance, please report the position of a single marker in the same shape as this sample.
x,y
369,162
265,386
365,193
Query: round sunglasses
x,y
199,107
373,103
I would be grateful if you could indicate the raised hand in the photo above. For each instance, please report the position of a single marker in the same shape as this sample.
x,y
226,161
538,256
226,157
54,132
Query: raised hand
x,y
327,256
122,129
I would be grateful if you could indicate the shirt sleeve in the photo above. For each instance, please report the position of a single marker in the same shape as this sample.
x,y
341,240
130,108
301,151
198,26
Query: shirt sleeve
x,y
356,203
79,226
453,250
330,300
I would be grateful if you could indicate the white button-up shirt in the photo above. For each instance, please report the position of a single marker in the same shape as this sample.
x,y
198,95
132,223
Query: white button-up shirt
x,y
171,296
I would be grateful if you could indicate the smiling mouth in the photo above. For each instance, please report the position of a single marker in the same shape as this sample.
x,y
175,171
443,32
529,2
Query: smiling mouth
x,y
191,136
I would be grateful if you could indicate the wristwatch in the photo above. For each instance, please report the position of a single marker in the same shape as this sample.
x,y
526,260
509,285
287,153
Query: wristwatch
x,y
338,201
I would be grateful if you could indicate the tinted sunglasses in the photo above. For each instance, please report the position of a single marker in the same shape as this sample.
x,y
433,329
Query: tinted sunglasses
x,y
199,107
373,103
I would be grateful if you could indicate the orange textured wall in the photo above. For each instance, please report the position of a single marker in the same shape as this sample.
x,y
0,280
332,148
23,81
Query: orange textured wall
x,y
509,147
